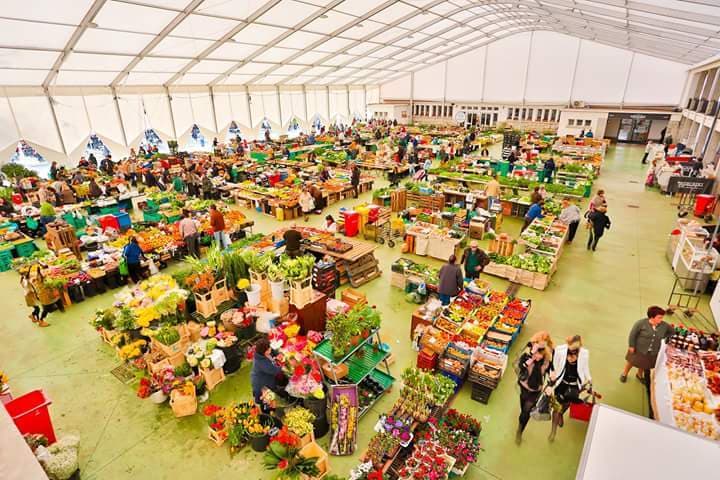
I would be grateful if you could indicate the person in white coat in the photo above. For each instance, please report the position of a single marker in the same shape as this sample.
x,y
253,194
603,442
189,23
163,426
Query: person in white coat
x,y
571,373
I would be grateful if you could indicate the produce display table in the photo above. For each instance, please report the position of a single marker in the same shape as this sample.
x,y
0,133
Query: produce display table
x,y
433,240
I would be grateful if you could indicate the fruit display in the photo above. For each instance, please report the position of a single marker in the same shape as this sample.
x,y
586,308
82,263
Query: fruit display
x,y
694,385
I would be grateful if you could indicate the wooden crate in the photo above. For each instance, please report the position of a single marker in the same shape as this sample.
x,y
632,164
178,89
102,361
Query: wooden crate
x,y
314,450
352,296
169,350
220,293
262,280
156,361
218,438
540,281
398,200
204,304
213,377
183,405
335,372
502,245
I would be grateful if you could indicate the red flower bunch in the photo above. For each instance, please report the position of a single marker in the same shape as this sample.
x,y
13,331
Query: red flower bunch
x,y
144,389
282,464
211,409
375,475
285,437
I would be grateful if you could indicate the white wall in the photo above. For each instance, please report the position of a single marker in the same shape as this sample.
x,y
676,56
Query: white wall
x,y
25,113
598,122
546,68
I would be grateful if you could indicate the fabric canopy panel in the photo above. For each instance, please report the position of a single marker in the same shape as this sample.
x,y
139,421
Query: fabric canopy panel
x,y
133,119
550,71
157,108
597,79
9,134
357,102
339,104
654,80
465,76
264,104
427,81
73,121
35,121
504,81
104,117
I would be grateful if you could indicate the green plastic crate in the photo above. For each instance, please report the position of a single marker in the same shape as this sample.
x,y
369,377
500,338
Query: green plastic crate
x,y
363,362
174,218
109,210
382,378
25,249
152,217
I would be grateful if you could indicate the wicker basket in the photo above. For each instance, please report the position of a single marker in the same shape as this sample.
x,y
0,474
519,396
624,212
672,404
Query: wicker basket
x,y
169,350
213,377
156,361
301,292
204,304
183,405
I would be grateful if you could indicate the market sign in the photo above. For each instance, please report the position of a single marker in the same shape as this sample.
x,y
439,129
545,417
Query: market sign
x,y
679,184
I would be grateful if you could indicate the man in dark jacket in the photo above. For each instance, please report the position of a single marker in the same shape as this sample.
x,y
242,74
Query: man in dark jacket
x,y
474,259
450,280
548,170
355,179
599,221
264,371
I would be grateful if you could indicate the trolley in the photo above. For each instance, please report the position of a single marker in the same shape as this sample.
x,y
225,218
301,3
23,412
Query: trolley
x,y
686,202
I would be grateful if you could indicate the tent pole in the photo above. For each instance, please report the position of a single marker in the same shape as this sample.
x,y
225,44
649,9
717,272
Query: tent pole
x,y
113,90
212,105
172,115
55,120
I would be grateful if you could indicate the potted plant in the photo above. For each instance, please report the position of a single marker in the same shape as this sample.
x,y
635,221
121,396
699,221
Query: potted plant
x,y
342,330
258,429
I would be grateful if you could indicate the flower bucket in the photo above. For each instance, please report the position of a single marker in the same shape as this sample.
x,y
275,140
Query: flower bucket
x,y
277,290
158,397
259,443
253,295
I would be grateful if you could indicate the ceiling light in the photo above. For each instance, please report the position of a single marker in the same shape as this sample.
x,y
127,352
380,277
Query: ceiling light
x,y
323,16
360,25
92,25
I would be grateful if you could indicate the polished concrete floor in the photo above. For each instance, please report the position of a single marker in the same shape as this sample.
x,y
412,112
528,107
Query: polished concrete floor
x,y
597,295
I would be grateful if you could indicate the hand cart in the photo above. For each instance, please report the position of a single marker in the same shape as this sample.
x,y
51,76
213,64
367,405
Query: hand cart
x,y
686,202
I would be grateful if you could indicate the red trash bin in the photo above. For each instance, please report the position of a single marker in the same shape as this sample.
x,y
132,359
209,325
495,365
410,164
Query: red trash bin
x,y
31,415
702,202
17,198
352,223
109,221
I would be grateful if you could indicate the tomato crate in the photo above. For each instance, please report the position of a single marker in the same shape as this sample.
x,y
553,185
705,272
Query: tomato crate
x,y
427,360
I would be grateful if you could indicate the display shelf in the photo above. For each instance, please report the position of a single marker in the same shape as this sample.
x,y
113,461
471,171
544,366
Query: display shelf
x,y
364,362
324,350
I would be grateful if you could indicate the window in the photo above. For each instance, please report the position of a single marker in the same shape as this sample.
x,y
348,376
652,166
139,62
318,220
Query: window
x,y
509,114
516,115
552,115
588,123
495,118
571,122
545,115
450,111
539,115
530,112
434,110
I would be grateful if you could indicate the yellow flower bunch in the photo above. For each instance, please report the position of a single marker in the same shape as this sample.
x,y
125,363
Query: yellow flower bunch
x,y
3,378
254,427
187,388
131,350
292,330
145,315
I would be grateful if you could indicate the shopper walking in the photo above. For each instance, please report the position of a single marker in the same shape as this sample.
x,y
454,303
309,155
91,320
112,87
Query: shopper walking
x,y
548,170
648,148
189,232
217,223
644,344
132,253
599,222
598,200
307,204
571,374
532,369
450,280
31,297
492,191
474,260
570,216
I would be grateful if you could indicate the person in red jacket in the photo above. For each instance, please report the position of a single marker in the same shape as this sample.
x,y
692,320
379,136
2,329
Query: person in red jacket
x,y
217,222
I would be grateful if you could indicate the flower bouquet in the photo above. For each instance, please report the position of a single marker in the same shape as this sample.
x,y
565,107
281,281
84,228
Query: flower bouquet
x,y
283,455
217,423
455,420
299,422
343,423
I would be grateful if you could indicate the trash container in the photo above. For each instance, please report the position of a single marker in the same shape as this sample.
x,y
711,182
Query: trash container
x,y
702,202
31,415
352,223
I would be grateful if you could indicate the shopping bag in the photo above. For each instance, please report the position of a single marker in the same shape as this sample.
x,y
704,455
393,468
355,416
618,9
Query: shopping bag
x,y
581,411
152,268
542,410
123,268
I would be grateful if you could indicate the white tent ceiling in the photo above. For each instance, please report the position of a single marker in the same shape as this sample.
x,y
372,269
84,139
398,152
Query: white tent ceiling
x,y
276,42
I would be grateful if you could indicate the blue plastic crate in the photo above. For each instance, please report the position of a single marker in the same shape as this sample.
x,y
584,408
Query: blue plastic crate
x,y
123,220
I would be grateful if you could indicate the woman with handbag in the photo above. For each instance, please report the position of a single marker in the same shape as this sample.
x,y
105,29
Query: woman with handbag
x,y
532,368
571,374
40,296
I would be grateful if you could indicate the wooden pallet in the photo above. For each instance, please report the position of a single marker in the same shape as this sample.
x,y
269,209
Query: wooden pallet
x,y
363,270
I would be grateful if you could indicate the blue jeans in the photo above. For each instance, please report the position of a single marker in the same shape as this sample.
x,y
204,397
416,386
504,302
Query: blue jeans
x,y
444,299
220,240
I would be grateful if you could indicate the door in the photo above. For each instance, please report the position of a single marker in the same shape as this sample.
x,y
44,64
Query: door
x,y
626,128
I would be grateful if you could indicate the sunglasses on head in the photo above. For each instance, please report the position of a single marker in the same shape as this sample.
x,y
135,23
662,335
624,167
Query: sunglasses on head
x,y
573,352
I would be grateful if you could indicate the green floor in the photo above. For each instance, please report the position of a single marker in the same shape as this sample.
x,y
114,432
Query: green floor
x,y
597,295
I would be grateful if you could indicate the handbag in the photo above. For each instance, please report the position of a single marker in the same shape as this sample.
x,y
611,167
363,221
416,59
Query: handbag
x,y
123,268
542,411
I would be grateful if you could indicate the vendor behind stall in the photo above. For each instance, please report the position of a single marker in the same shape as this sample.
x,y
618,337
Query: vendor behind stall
x,y
264,371
292,242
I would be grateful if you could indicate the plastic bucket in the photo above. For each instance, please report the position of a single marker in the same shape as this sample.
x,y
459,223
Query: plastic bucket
x,y
278,290
31,414
259,443
253,295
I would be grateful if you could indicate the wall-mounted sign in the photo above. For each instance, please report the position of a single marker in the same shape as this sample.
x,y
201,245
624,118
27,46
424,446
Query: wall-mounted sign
x,y
460,116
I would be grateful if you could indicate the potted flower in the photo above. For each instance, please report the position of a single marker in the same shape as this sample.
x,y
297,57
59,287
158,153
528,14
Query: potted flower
x,y
161,384
258,429
217,422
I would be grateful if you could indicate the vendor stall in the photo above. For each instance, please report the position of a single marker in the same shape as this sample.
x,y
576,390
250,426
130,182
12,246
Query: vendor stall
x,y
432,240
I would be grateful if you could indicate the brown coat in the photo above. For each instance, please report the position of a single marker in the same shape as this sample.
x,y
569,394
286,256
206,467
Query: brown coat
x,y
217,222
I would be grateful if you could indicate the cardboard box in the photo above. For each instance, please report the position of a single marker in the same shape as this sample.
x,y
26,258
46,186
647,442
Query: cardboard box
x,y
281,307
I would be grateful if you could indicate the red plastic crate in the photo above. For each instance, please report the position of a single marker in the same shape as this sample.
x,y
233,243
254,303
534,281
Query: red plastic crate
x,y
31,414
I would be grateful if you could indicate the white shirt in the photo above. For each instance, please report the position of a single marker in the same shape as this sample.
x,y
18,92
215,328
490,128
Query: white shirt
x,y
583,364
332,228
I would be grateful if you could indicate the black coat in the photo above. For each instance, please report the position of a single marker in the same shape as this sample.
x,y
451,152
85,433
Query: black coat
x,y
599,222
